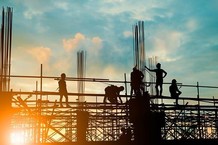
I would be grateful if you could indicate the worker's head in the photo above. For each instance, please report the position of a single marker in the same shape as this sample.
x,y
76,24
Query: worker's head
x,y
121,88
158,65
135,68
174,81
63,76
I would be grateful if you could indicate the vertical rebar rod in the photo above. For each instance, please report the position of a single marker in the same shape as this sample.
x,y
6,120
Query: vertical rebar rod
x,y
10,45
5,51
2,48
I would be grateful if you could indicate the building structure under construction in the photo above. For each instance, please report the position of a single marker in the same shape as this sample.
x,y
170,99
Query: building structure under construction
x,y
36,117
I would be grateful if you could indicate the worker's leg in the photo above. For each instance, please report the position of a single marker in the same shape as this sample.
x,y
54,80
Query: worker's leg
x,y
161,89
157,92
67,103
61,97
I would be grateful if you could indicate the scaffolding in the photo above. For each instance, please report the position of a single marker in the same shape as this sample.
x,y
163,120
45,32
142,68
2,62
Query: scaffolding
x,y
44,121
36,116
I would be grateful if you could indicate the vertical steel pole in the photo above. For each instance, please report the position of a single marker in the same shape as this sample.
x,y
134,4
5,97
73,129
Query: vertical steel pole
x,y
41,82
199,121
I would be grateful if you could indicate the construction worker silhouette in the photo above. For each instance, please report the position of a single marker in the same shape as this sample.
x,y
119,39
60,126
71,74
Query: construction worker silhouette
x,y
63,89
174,91
160,74
112,93
136,81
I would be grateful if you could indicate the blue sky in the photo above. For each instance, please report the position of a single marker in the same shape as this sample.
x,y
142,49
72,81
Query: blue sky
x,y
183,35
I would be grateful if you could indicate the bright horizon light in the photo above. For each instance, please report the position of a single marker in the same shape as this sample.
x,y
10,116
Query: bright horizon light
x,y
17,138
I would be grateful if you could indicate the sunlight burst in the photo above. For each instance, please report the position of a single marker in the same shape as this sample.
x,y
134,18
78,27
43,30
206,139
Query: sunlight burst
x,y
17,138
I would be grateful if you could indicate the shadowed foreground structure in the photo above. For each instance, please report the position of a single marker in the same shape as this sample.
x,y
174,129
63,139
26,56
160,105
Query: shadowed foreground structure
x,y
43,122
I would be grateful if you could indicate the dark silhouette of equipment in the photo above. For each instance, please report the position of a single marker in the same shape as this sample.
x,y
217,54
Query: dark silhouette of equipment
x,y
82,125
147,124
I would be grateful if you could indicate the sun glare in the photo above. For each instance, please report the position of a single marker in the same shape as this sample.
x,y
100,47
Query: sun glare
x,y
17,138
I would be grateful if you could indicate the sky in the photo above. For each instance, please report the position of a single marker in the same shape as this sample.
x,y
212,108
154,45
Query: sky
x,y
182,34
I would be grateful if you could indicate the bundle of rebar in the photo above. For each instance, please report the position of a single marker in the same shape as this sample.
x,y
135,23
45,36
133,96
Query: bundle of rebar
x,y
5,51
81,69
139,45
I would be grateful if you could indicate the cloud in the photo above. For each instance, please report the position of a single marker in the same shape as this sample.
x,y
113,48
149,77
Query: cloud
x,y
61,65
191,24
30,13
108,71
40,28
38,8
34,8
41,54
72,43
165,44
96,45
80,41
136,10
62,5
97,42
127,34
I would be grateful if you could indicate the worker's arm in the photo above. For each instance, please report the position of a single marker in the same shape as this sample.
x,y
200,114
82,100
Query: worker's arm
x,y
142,75
120,99
165,73
178,89
147,68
